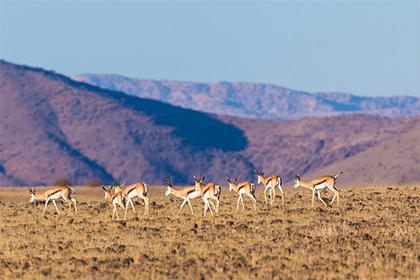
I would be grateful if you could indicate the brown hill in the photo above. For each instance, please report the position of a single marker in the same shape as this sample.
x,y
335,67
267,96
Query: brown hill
x,y
393,161
255,100
52,126
347,142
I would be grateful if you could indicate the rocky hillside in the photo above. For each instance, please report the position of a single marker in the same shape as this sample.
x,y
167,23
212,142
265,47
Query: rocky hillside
x,y
255,100
52,126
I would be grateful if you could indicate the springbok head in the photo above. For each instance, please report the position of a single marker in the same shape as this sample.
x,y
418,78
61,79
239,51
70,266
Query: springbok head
x,y
260,174
32,194
107,190
231,183
198,180
297,181
168,187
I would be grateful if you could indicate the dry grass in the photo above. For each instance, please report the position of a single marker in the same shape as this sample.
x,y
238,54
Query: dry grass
x,y
373,234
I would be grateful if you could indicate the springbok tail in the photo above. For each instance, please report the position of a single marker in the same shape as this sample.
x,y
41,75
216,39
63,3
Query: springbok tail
x,y
218,191
71,192
253,188
124,200
146,189
336,176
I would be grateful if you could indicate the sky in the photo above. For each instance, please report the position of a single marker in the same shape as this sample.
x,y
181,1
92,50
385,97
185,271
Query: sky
x,y
361,47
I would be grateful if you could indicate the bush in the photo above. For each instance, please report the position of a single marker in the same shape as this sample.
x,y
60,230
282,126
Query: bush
x,y
62,182
93,183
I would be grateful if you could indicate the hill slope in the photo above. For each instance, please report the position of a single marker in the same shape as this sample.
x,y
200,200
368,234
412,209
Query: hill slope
x,y
347,142
255,100
52,126
393,161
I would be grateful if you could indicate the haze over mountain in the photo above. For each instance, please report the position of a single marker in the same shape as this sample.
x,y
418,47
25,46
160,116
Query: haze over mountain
x,y
255,100
52,126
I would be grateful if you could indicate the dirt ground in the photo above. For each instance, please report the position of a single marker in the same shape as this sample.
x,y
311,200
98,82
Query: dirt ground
x,y
373,234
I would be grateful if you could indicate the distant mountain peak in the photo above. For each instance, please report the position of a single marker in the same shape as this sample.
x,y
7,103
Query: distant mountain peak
x,y
255,100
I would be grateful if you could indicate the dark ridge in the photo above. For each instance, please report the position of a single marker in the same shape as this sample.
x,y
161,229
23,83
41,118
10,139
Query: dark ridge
x,y
197,129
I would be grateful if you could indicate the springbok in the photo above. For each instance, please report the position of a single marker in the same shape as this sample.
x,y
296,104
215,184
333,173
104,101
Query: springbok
x,y
186,194
318,184
53,194
116,199
138,189
208,192
270,183
246,188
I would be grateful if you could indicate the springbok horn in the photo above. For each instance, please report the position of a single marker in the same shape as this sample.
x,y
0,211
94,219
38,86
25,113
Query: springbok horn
x,y
168,181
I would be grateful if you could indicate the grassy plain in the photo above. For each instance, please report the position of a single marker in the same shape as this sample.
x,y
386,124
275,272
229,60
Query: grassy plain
x,y
373,234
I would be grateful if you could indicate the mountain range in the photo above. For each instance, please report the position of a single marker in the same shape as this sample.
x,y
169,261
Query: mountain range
x,y
255,100
52,126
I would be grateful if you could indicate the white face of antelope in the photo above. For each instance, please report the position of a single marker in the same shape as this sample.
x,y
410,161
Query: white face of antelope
x,y
168,191
230,186
260,175
198,182
31,195
297,182
107,193
32,198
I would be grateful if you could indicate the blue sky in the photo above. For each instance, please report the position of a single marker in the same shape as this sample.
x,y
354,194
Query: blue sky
x,y
362,47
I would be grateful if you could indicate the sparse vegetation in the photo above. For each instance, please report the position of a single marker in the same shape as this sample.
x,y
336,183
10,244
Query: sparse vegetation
x,y
93,183
62,182
373,234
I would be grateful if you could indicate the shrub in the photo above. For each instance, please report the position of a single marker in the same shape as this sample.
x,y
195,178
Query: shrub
x,y
62,182
93,183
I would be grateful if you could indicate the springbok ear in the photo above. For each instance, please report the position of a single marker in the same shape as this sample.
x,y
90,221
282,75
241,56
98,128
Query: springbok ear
x,y
30,190
297,177
236,179
103,187
195,178
202,179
